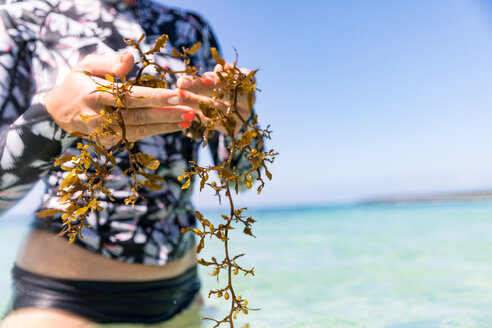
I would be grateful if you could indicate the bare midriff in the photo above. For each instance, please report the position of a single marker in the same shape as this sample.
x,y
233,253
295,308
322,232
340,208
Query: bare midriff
x,y
47,255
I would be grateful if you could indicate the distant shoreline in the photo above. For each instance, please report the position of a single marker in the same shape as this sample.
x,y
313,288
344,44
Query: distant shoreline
x,y
444,197
434,198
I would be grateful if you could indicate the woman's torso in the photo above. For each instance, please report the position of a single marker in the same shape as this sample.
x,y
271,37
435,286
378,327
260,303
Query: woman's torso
x,y
149,233
45,254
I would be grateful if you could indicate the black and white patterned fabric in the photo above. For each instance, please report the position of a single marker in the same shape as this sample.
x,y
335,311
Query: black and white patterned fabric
x,y
39,43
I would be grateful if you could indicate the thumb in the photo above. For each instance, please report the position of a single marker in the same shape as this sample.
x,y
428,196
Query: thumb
x,y
99,65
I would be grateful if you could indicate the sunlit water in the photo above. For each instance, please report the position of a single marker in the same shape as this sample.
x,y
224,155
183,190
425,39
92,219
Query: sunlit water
x,y
417,266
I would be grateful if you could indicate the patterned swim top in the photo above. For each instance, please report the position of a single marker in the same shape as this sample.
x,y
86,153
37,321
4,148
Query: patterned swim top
x,y
40,41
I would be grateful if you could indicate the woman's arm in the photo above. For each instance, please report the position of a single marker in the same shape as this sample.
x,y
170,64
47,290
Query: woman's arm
x,y
29,139
33,134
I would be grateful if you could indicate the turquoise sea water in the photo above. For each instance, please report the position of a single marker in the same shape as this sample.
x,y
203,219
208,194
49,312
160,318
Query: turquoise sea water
x,y
391,266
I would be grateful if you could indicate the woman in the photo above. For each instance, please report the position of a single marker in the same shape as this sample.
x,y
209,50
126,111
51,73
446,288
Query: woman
x,y
133,264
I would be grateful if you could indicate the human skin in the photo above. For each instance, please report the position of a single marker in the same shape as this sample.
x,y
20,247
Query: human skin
x,y
151,111
159,111
201,89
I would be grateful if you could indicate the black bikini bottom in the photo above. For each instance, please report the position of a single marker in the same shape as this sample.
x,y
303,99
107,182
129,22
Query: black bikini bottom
x,y
107,301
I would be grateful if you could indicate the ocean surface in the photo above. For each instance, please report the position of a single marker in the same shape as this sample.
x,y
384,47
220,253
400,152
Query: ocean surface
x,y
374,266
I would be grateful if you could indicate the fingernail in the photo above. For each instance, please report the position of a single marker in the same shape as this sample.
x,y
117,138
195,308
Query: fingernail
x,y
122,56
189,116
185,83
182,93
207,80
174,100
185,124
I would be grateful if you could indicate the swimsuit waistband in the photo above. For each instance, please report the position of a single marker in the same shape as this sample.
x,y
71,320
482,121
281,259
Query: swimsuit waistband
x,y
107,301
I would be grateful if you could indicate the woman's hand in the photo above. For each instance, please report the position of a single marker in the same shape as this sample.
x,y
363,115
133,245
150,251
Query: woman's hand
x,y
158,111
200,89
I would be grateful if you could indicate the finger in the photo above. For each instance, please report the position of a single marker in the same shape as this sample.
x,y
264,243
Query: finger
x,y
192,99
140,116
140,97
204,85
100,65
219,68
137,132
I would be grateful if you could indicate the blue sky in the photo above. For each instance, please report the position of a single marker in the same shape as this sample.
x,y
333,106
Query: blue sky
x,y
365,98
